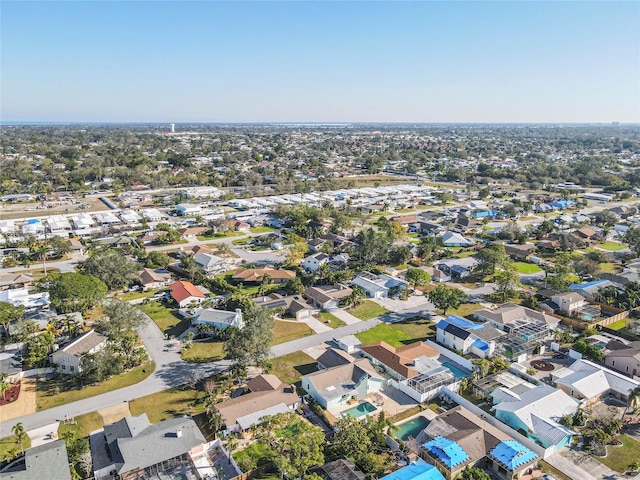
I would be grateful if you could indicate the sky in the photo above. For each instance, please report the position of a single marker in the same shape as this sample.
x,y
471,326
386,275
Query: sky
x,y
334,61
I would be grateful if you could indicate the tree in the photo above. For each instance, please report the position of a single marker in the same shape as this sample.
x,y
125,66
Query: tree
x,y
251,344
294,286
444,298
355,298
38,348
110,266
373,247
73,292
585,267
482,367
489,258
120,318
632,238
507,280
20,434
474,473
157,260
98,366
417,277
351,439
295,445
9,314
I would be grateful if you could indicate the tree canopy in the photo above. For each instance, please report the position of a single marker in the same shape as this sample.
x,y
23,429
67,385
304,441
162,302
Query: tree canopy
x,y
73,292
110,266
444,297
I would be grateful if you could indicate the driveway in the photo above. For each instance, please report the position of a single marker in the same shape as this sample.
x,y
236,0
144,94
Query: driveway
x,y
415,304
345,316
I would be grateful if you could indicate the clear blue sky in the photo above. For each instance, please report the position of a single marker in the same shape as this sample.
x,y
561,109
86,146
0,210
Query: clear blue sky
x,y
509,61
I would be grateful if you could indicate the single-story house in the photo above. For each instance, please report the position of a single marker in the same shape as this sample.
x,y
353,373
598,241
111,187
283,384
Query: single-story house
x,y
150,278
520,321
452,239
49,460
417,470
15,280
327,297
256,275
210,263
219,319
293,305
379,286
186,293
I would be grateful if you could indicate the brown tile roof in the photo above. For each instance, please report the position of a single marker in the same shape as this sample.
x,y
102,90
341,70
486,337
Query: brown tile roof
x,y
400,359
263,383
192,230
84,343
256,274
195,249
181,290
327,293
149,275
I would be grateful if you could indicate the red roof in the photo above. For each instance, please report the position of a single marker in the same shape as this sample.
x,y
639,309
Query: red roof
x,y
182,290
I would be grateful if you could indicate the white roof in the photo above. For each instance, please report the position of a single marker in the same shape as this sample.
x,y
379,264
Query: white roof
x,y
592,380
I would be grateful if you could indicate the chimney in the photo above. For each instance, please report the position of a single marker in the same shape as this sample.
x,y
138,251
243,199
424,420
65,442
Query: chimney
x,y
239,311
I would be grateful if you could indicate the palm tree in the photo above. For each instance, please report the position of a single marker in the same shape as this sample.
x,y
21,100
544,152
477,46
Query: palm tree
x,y
264,284
231,443
464,384
18,431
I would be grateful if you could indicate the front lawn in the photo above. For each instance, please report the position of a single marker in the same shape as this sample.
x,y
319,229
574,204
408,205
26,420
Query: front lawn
x,y
289,368
398,334
465,309
609,267
619,458
166,318
202,352
619,325
53,393
287,331
126,297
169,403
82,426
331,320
367,310
611,246
8,444
527,268
262,230
232,233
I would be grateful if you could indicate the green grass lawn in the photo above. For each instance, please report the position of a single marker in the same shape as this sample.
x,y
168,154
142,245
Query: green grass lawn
x,y
287,331
126,297
528,268
232,233
8,444
609,267
83,425
367,310
201,352
54,393
464,309
619,458
465,253
166,318
289,368
262,230
331,320
169,403
242,241
619,325
258,451
399,334
555,473
611,246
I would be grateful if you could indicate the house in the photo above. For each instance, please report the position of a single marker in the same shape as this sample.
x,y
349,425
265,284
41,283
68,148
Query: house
x,y
520,321
519,252
313,262
589,290
536,411
209,263
326,297
153,279
379,286
624,358
417,470
115,242
69,358
416,367
463,224
293,305
21,296
194,249
587,234
340,469
49,460
239,226
133,448
339,385
219,319
315,244
571,304
452,239
191,232
457,267
150,237
458,438
10,281
256,275
188,209
333,357
186,293
459,334
586,380
268,396
349,343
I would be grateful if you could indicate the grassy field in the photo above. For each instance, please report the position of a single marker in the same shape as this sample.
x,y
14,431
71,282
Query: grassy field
x,y
619,458
331,320
399,334
83,426
8,444
611,246
619,325
287,331
201,352
289,368
54,393
367,310
168,404
166,318
464,309
527,268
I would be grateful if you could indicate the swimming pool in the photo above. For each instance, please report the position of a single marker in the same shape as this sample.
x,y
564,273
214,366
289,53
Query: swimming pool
x,y
457,372
411,429
359,410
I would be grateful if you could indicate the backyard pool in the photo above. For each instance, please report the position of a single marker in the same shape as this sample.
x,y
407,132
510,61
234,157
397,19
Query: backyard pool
x,y
457,372
359,410
411,429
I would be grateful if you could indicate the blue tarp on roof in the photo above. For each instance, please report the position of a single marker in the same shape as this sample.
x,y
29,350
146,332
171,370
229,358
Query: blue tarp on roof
x,y
480,345
447,451
458,322
581,286
562,203
33,221
485,213
512,454
415,471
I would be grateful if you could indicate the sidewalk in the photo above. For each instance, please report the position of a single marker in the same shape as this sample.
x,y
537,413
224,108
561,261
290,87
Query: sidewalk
x,y
345,316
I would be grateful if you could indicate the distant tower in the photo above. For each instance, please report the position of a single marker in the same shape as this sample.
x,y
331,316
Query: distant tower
x,y
172,127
